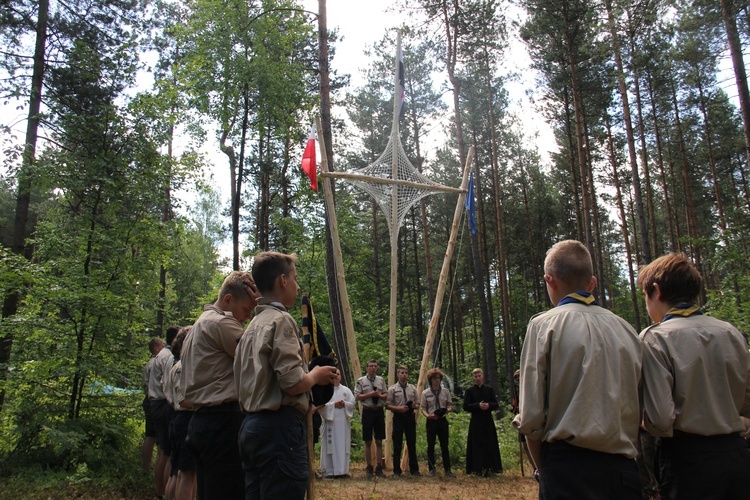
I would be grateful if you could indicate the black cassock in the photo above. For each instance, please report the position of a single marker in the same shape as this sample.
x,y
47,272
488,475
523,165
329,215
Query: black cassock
x,y
482,451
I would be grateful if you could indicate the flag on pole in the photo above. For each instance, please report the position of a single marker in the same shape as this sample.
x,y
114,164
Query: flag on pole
x,y
401,84
471,205
309,166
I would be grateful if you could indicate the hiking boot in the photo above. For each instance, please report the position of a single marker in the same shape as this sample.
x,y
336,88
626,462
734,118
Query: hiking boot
x,y
379,471
368,471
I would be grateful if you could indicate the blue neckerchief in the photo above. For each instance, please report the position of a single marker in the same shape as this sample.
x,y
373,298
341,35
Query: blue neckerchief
x,y
684,310
584,298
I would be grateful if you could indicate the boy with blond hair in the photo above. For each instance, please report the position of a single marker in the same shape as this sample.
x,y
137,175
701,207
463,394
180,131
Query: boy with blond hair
x,y
580,376
207,386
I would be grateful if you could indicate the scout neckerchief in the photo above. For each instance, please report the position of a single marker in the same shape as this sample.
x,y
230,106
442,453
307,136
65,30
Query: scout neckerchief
x,y
584,298
375,400
685,310
437,397
403,388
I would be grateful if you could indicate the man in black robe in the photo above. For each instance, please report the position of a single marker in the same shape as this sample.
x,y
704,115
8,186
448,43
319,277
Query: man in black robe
x,y
482,450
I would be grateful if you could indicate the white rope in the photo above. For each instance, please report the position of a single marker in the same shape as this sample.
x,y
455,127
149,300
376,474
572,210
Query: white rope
x,y
450,294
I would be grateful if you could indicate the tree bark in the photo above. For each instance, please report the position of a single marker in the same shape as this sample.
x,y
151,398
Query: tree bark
x,y
337,317
625,232
642,227
740,75
23,197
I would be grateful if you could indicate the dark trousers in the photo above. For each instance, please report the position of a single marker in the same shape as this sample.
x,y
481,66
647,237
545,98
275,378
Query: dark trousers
x,y
181,457
273,446
161,413
212,437
703,467
571,472
438,428
404,425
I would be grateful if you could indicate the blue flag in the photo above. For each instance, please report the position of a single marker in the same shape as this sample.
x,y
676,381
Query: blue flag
x,y
471,206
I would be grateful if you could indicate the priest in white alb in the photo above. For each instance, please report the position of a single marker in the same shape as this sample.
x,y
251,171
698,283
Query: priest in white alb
x,y
336,432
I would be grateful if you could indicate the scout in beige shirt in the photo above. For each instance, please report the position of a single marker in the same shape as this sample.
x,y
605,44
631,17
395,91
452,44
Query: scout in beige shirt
x,y
371,392
403,401
273,385
696,387
207,385
436,403
579,391
270,359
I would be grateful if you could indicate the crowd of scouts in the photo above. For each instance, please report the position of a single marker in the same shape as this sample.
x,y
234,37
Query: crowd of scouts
x,y
594,395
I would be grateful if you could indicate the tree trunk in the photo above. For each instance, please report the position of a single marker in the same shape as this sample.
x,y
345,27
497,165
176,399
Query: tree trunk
x,y
690,208
625,232
660,162
23,197
337,316
578,118
166,215
499,238
642,228
740,75
597,252
711,159
572,160
644,151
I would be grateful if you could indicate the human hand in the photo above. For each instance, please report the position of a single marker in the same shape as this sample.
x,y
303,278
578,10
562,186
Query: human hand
x,y
484,406
252,291
339,403
323,375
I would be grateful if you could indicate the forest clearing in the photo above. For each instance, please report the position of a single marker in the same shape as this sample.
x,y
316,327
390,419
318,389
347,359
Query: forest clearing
x,y
151,147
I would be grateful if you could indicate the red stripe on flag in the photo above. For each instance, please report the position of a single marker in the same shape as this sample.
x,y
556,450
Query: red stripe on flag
x,y
309,165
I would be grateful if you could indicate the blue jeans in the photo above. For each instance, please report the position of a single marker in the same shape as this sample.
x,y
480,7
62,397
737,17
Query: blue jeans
x,y
273,447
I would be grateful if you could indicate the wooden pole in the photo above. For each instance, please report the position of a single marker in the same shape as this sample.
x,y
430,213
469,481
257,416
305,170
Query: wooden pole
x,y
444,274
394,249
380,180
441,289
310,457
334,227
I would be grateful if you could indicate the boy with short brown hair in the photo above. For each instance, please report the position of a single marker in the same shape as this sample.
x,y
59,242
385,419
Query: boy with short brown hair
x,y
580,376
696,387
273,385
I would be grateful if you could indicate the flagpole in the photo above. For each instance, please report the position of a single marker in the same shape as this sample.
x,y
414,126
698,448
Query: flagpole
x,y
394,247
338,260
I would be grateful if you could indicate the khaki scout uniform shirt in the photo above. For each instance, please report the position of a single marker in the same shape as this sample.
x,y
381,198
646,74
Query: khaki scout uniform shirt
x,y
430,402
207,357
580,376
172,386
270,358
147,373
696,377
364,386
398,396
159,372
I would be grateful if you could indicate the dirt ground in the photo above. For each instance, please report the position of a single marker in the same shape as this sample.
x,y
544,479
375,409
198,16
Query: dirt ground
x,y
509,485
